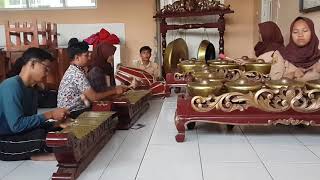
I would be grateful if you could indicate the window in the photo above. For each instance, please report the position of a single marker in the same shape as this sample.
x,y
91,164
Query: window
x,y
266,10
47,4
83,3
13,4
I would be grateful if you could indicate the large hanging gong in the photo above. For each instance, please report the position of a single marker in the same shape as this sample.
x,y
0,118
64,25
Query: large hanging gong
x,y
175,51
206,51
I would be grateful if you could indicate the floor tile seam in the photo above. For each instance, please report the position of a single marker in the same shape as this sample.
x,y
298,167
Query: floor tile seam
x,y
114,155
261,161
221,144
146,128
154,126
12,170
130,133
200,159
292,163
143,117
236,162
304,145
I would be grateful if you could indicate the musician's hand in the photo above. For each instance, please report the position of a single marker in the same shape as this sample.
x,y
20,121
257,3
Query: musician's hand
x,y
85,100
290,75
60,114
63,125
120,89
316,67
125,88
298,73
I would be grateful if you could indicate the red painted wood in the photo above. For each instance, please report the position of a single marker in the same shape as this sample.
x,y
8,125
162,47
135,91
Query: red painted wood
x,y
190,14
127,112
251,116
220,24
74,155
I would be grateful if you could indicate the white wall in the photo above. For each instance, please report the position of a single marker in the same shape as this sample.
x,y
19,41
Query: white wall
x,y
82,31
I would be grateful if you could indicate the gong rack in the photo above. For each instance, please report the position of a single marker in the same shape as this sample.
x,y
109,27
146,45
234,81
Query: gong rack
x,y
193,8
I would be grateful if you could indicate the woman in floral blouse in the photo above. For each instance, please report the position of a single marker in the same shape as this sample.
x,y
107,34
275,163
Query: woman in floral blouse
x,y
75,84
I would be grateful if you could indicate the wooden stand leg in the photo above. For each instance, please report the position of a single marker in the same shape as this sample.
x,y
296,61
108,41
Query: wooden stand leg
x,y
168,90
221,30
163,32
181,129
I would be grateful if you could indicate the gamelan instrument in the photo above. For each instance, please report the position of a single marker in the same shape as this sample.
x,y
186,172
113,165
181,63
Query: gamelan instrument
x,y
206,51
140,79
129,75
175,52
224,92
77,145
176,63
129,106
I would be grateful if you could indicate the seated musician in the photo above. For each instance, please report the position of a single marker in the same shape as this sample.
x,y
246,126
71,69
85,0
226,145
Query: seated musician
x,y
22,131
147,65
46,95
101,74
75,85
271,39
301,56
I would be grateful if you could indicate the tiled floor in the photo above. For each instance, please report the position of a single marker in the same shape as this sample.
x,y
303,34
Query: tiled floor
x,y
210,152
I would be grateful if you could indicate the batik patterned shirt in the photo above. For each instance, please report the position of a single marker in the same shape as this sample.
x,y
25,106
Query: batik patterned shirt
x,y
73,84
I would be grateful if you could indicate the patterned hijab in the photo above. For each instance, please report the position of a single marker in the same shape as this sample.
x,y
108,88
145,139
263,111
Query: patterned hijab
x,y
306,56
271,38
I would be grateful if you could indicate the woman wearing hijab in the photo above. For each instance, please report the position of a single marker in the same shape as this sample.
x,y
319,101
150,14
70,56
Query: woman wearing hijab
x,y
75,92
299,59
271,38
302,54
101,75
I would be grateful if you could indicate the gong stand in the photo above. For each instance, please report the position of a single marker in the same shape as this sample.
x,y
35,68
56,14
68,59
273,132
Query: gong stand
x,y
193,8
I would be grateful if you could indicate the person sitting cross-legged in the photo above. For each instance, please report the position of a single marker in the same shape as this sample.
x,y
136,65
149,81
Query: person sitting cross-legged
x,y
22,130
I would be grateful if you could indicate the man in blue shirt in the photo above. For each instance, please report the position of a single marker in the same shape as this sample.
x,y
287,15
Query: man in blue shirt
x,y
22,130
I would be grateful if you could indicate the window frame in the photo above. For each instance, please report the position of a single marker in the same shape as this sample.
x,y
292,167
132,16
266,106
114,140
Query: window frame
x,y
307,10
49,8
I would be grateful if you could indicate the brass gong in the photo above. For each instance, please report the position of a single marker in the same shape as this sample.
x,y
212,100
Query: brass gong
x,y
206,51
176,50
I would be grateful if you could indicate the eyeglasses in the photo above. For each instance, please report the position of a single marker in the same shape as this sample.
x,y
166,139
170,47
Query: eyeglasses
x,y
46,66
